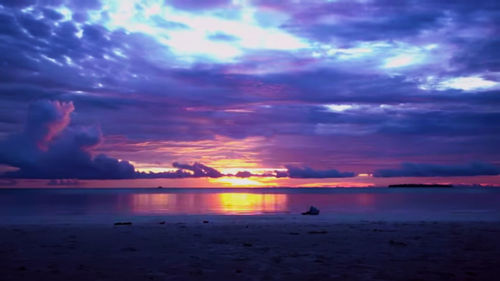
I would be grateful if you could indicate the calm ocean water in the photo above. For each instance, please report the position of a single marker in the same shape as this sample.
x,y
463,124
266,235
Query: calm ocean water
x,y
89,205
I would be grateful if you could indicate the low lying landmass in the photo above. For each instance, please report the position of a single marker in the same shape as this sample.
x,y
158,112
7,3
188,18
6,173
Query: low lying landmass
x,y
248,249
420,185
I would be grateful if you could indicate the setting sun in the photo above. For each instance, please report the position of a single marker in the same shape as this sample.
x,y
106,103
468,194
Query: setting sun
x,y
239,182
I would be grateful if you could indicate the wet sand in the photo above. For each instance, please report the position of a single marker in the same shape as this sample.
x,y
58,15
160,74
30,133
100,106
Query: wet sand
x,y
251,249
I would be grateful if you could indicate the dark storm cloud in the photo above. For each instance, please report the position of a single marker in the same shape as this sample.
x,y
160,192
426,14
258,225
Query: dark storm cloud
x,y
436,170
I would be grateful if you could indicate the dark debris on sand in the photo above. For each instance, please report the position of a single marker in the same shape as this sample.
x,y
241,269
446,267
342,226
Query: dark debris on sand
x,y
123,223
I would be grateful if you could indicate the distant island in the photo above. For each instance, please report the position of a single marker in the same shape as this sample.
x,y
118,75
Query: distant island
x,y
420,185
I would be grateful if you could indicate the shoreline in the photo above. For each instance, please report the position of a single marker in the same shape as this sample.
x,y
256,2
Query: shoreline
x,y
486,216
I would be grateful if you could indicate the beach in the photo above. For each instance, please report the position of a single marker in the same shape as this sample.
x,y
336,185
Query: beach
x,y
254,234
251,248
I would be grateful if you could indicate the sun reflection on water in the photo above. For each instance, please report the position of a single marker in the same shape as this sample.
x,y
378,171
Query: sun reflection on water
x,y
239,203
153,203
203,203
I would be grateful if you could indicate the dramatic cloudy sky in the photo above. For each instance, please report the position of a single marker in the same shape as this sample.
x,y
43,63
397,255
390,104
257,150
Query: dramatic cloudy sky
x,y
221,93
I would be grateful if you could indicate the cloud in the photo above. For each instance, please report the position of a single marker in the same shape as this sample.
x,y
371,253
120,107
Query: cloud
x,y
436,170
17,3
347,21
244,174
81,4
296,172
196,170
178,174
48,149
197,5
273,95
281,174
46,120
8,182
199,170
309,173
369,29
63,182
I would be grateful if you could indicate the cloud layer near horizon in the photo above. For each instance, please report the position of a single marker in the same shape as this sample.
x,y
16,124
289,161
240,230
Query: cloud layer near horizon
x,y
48,149
435,170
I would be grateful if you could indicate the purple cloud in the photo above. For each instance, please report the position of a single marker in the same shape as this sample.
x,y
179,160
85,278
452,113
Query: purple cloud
x,y
48,149
63,182
199,170
436,170
309,173
244,174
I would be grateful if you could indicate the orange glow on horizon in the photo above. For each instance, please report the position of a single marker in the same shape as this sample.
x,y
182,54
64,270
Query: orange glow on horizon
x,y
211,152
256,171
241,182
224,165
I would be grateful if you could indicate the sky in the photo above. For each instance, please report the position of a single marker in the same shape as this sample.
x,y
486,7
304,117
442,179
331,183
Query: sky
x,y
141,93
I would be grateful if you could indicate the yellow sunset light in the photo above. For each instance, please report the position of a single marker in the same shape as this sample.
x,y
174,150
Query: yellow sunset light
x,y
238,182
249,202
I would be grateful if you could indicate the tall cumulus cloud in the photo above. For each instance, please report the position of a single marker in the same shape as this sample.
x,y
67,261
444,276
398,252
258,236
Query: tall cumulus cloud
x,y
48,148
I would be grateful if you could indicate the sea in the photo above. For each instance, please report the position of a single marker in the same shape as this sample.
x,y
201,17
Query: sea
x,y
106,205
